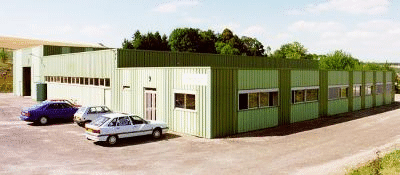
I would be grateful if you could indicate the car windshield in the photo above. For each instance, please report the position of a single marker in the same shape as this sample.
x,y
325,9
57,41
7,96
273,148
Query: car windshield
x,y
81,110
100,121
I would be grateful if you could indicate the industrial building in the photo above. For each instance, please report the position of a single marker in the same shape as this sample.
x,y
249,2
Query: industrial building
x,y
205,95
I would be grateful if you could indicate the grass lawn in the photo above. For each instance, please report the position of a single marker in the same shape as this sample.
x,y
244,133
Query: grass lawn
x,y
389,164
6,79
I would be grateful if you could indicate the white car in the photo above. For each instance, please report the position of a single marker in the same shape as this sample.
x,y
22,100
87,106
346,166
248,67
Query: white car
x,y
89,113
111,127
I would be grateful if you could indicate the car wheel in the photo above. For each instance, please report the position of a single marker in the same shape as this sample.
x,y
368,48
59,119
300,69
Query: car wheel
x,y
157,133
112,140
43,120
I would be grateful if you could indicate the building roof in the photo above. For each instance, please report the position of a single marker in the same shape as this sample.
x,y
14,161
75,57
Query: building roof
x,y
14,43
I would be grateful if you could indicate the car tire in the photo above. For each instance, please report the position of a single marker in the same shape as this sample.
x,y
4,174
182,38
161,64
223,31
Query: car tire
x,y
157,133
112,140
43,120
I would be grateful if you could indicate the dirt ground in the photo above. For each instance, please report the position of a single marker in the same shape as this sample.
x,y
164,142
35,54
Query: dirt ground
x,y
323,146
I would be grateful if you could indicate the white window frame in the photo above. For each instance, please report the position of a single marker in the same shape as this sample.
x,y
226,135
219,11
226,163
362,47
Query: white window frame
x,y
257,91
357,85
305,94
372,89
190,92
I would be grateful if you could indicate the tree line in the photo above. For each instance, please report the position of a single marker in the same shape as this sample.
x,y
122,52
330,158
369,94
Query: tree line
x,y
228,43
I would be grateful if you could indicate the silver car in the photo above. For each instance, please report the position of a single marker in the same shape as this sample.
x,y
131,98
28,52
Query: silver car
x,y
89,113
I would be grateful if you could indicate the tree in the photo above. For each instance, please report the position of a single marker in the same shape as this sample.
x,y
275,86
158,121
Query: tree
x,y
292,51
252,46
338,60
147,41
4,56
229,44
185,40
207,42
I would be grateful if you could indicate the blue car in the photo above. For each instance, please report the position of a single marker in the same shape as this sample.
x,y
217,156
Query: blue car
x,y
48,110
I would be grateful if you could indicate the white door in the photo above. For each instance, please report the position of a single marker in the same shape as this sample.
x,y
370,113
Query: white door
x,y
150,97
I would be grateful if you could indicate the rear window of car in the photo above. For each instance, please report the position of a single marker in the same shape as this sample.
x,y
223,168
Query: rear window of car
x,y
100,121
81,110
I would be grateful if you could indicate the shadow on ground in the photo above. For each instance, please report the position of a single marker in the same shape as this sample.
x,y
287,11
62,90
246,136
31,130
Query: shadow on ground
x,y
318,123
53,122
139,140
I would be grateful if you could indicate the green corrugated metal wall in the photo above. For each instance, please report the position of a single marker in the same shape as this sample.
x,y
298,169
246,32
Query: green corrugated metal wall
x,y
369,79
88,64
357,80
388,96
56,50
254,119
142,58
339,105
379,97
224,102
284,109
309,110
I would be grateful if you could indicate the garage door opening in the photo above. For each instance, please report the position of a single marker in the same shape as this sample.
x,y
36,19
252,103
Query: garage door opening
x,y
26,81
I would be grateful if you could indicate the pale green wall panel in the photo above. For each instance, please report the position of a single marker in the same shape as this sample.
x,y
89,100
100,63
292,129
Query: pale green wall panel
x,y
379,77
303,78
388,98
304,111
356,103
96,64
368,101
338,78
379,100
256,119
369,77
337,106
257,79
357,77
388,76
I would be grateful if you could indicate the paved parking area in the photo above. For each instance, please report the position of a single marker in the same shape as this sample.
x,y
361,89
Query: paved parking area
x,y
323,146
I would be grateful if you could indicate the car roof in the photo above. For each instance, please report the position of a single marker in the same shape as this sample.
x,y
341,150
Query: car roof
x,y
95,106
113,115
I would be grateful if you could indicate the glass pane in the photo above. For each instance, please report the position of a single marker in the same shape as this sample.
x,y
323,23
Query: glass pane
x,y
180,100
368,90
264,99
253,100
379,89
190,101
243,99
388,88
312,95
299,96
273,99
343,92
334,93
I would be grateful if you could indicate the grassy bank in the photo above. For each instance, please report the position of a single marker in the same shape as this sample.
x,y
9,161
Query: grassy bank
x,y
389,164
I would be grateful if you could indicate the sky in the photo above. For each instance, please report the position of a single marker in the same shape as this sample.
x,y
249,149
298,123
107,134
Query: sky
x,y
367,29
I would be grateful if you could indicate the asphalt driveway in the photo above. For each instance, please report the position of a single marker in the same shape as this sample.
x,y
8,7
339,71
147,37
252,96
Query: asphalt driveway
x,y
323,146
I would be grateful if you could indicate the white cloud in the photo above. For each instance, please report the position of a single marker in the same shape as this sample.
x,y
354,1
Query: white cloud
x,y
172,7
303,26
253,31
371,7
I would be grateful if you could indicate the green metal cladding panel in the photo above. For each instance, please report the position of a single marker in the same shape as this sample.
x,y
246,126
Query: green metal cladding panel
x,y
357,77
257,79
388,98
304,111
97,64
389,77
56,50
166,82
224,103
338,106
379,100
369,77
303,78
356,103
379,77
368,101
284,97
338,77
142,58
256,119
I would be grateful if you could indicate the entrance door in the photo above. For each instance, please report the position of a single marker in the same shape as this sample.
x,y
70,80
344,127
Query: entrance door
x,y
26,81
150,104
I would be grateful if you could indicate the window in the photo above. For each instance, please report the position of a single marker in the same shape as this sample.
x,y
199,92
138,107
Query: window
x,y
338,92
368,89
389,88
107,81
101,81
136,120
306,94
81,80
69,80
356,90
123,121
185,101
379,89
96,81
86,81
253,99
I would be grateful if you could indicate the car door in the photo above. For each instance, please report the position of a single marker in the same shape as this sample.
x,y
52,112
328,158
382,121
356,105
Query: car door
x,y
124,127
91,114
140,126
68,111
52,110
